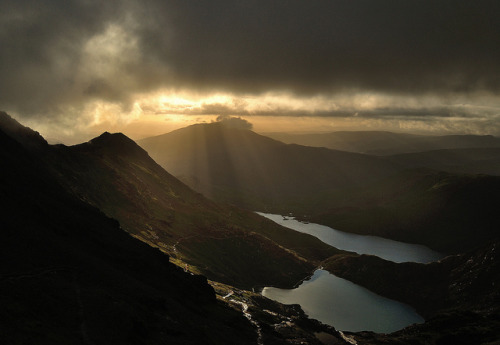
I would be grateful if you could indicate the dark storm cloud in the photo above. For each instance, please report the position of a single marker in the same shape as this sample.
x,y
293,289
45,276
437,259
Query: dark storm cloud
x,y
41,44
306,47
317,46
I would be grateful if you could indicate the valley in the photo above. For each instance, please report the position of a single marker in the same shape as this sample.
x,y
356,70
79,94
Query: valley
x,y
459,290
92,202
352,192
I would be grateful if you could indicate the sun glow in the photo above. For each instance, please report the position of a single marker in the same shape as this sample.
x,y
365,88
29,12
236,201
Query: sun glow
x,y
162,111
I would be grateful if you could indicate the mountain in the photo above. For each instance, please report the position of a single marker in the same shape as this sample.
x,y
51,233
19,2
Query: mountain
x,y
384,196
447,212
470,160
112,173
256,172
70,275
386,143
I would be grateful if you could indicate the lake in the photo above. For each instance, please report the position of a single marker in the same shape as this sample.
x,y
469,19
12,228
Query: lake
x,y
341,303
384,248
345,305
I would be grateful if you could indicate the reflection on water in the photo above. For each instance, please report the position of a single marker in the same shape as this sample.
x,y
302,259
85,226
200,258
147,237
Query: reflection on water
x,y
381,247
345,305
340,303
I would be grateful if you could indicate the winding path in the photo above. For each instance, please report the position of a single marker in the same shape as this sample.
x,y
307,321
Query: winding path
x,y
244,308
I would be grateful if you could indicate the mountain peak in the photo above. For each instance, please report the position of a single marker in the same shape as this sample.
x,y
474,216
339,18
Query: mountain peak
x,y
22,134
110,137
117,143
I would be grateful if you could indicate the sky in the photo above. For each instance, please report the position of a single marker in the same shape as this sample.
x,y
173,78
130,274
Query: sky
x,y
74,68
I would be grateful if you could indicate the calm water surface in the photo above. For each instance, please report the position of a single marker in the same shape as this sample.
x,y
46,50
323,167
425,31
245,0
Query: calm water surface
x,y
341,303
345,305
378,246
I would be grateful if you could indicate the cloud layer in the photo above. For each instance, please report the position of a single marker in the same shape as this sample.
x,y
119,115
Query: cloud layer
x,y
60,59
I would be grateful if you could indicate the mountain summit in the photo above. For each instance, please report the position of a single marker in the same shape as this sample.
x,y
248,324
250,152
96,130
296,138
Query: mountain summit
x,y
250,170
114,143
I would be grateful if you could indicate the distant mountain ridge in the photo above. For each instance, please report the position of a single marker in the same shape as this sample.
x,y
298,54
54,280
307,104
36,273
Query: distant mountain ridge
x,y
466,160
386,143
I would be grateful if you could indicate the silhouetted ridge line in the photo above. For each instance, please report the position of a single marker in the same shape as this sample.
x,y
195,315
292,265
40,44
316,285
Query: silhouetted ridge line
x,y
22,134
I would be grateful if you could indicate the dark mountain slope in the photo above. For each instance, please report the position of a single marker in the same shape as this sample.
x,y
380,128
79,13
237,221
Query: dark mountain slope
x,y
256,172
70,275
233,246
386,143
24,135
447,212
227,244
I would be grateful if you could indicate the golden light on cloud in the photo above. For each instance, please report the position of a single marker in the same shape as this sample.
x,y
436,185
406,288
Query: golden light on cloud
x,y
172,102
189,103
165,110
